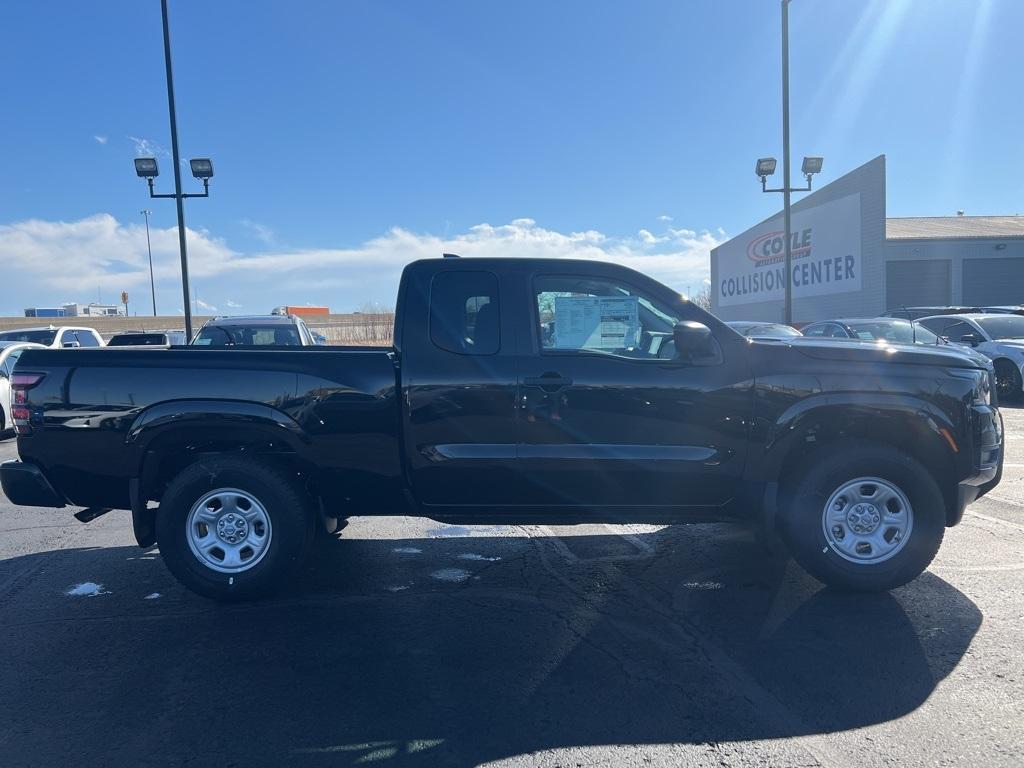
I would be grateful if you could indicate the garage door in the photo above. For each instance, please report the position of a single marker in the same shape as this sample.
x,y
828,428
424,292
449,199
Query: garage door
x,y
925,283
993,281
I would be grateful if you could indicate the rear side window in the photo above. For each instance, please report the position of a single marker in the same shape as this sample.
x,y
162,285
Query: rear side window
x,y
464,314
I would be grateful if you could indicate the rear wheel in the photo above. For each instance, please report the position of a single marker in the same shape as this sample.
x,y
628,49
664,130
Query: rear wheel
x,y
232,529
865,518
1008,380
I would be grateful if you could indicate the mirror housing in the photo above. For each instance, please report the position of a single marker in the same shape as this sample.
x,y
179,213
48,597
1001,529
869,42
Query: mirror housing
x,y
969,338
694,341
71,344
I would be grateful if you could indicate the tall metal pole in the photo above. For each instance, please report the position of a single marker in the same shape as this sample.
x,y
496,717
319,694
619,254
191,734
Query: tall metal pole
x,y
152,284
178,199
785,162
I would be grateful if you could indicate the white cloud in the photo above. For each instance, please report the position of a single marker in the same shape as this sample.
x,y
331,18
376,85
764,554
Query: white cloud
x,y
101,139
665,218
203,305
44,259
147,148
261,231
231,304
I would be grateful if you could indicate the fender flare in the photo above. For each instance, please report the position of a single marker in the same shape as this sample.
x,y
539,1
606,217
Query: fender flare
x,y
174,417
793,425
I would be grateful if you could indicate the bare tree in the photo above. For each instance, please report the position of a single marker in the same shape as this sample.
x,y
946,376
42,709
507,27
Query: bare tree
x,y
703,298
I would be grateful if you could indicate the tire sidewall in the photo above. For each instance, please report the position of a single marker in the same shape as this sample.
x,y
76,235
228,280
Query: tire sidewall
x,y
802,524
289,522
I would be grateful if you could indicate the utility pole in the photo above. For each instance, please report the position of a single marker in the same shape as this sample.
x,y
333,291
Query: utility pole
x,y
152,284
786,189
178,199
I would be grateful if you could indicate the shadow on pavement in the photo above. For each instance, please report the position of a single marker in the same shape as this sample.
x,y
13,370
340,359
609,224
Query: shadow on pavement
x,y
690,645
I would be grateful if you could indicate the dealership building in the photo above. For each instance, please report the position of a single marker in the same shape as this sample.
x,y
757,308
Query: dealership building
x,y
850,260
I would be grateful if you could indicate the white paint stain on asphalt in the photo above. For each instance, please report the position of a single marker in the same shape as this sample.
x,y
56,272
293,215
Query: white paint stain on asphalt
x,y
87,589
478,558
407,551
703,585
153,596
454,575
398,588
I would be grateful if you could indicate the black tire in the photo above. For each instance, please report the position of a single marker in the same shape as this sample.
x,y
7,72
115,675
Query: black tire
x,y
801,518
1008,381
289,510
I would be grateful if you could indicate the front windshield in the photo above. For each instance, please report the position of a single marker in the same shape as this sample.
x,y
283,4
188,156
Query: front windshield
x,y
894,332
44,337
1002,326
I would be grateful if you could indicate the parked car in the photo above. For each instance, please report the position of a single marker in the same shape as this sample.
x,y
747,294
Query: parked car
x,y
879,329
154,339
998,337
10,351
254,331
55,337
756,330
916,313
638,407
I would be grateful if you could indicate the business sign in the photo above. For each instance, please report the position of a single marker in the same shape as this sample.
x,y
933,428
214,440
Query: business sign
x,y
825,242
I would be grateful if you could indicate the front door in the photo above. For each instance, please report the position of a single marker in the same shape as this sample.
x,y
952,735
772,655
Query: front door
x,y
610,418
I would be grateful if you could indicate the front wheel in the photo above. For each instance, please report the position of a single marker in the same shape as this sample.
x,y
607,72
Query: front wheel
x,y
233,529
865,518
1008,380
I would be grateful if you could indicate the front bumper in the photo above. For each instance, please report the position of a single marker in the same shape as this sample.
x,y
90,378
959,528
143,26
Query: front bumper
x,y
27,486
988,460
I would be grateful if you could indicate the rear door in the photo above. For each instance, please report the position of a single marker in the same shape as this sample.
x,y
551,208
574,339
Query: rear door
x,y
459,386
609,417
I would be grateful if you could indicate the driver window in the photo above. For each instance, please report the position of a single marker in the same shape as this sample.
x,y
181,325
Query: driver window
x,y
590,314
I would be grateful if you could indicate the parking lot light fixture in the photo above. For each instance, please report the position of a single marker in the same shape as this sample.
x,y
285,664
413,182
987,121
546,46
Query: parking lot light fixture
x,y
811,166
202,168
146,168
765,167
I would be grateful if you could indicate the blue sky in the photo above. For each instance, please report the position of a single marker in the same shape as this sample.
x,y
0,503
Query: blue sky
x,y
349,137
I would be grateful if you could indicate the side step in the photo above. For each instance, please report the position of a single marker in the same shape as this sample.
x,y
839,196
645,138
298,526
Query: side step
x,y
89,514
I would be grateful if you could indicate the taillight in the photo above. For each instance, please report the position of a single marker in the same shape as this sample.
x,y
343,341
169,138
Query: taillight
x,y
21,383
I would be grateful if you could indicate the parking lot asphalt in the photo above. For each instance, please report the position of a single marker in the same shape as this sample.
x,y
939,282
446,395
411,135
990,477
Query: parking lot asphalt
x,y
411,643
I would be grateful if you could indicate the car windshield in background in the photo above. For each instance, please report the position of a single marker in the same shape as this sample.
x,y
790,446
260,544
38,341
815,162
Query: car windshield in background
x,y
138,340
770,331
1002,326
36,337
248,335
893,331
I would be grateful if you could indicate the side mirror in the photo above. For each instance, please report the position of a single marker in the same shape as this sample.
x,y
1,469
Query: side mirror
x,y
969,338
71,344
694,341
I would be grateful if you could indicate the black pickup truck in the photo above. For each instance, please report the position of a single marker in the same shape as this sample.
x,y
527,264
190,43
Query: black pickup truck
x,y
517,391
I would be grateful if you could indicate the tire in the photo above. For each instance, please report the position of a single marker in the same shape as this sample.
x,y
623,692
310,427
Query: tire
x,y
1008,381
867,548
197,516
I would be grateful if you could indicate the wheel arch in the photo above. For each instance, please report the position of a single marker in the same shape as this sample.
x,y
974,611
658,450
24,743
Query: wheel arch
x,y
169,436
799,437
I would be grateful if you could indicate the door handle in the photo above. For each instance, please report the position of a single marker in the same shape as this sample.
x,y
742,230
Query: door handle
x,y
549,382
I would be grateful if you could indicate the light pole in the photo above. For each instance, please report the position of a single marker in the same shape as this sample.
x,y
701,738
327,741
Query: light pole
x,y
202,168
152,284
766,167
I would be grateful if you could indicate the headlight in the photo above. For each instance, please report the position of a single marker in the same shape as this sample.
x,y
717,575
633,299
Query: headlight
x,y
981,392
983,389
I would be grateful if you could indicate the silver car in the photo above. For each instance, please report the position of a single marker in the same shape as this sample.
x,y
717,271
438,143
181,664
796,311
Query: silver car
x,y
999,337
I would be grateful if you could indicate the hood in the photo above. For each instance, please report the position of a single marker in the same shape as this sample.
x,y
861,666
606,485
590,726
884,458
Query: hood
x,y
946,355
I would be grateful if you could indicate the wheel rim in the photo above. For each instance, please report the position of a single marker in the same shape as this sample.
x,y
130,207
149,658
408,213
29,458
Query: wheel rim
x,y
1006,380
228,530
867,520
